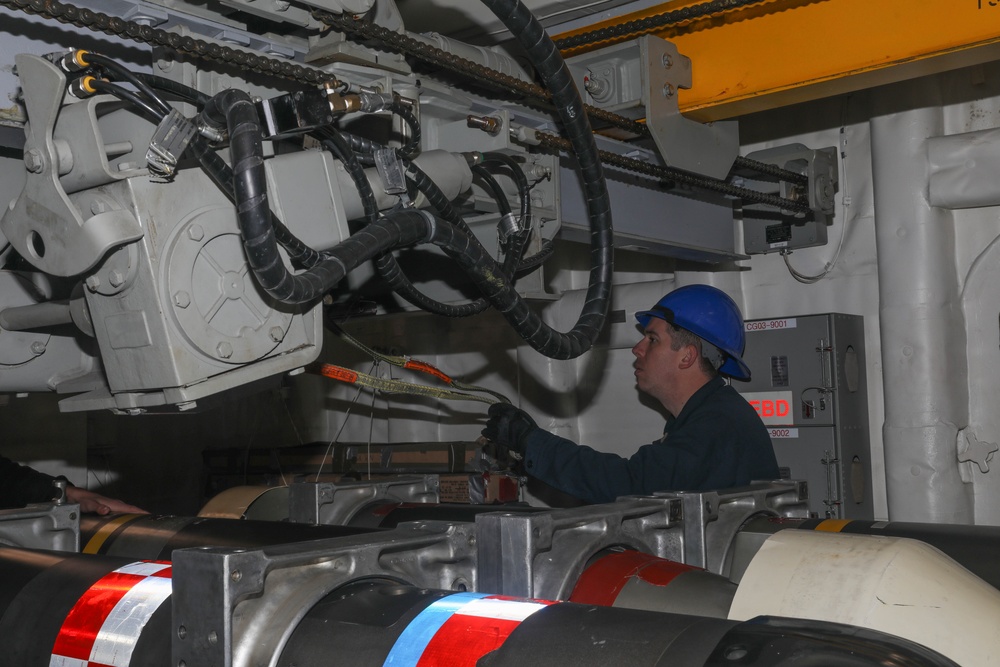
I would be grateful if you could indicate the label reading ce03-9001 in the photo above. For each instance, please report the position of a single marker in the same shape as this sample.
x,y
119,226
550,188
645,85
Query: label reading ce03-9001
x,y
769,325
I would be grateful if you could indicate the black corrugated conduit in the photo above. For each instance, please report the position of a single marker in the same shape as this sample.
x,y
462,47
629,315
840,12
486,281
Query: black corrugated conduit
x,y
222,175
520,180
493,187
387,266
411,147
399,229
549,65
403,228
342,145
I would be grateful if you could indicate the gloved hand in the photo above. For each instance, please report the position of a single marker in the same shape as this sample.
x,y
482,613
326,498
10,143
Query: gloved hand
x,y
509,427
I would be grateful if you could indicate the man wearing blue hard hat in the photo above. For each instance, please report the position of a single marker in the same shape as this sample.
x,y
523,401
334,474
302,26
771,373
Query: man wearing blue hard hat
x,y
693,339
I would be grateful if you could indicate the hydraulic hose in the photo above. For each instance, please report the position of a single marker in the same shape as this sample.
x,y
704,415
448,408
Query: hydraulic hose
x,y
494,188
398,229
222,175
139,104
513,245
349,148
553,71
387,266
519,240
122,73
529,264
411,148
392,272
523,189
334,142
525,265
175,88
407,227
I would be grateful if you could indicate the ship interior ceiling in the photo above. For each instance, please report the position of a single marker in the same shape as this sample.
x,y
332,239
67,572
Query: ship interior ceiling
x,y
267,266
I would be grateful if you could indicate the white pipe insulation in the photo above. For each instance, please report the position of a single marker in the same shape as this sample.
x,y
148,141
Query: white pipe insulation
x,y
922,326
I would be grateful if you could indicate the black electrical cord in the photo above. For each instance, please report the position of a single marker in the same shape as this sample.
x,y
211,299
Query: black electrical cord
x,y
513,245
334,142
122,73
517,244
175,88
222,175
411,147
138,102
549,65
533,263
365,148
437,199
234,110
398,229
520,180
387,266
493,187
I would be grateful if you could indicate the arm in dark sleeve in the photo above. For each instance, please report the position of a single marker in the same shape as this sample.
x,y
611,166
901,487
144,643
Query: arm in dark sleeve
x,y
20,485
699,457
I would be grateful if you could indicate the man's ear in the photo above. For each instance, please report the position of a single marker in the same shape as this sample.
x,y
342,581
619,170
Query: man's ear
x,y
690,356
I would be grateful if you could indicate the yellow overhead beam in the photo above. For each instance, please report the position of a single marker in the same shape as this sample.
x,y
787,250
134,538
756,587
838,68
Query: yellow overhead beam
x,y
780,52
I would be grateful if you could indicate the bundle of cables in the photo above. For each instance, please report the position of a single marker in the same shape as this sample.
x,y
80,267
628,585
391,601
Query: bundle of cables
x,y
232,113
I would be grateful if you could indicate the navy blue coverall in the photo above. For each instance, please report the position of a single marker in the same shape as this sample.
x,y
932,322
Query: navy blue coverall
x,y
20,485
716,442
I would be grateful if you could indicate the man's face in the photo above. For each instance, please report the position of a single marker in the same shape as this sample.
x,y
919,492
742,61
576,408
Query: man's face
x,y
656,364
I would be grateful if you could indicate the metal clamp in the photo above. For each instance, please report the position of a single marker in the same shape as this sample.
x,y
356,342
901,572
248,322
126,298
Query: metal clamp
x,y
222,618
336,504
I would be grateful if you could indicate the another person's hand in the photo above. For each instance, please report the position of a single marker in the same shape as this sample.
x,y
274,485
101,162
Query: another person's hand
x,y
95,503
509,427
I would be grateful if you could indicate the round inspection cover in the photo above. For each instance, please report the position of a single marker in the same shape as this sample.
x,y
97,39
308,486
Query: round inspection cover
x,y
212,292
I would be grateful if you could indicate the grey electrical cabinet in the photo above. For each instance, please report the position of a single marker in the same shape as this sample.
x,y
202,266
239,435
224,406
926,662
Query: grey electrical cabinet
x,y
808,385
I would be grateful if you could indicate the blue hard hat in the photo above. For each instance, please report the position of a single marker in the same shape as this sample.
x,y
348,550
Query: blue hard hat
x,y
709,314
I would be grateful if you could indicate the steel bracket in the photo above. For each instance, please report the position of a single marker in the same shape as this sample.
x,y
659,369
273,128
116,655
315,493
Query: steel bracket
x,y
332,504
236,608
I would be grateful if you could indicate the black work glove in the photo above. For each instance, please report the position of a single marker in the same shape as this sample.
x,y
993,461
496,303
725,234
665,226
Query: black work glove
x,y
509,427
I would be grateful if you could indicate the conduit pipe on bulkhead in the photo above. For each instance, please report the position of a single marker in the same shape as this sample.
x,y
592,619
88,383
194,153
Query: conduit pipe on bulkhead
x,y
924,364
963,175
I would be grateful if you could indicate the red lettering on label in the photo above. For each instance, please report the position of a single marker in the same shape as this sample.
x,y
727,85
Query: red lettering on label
x,y
783,408
756,406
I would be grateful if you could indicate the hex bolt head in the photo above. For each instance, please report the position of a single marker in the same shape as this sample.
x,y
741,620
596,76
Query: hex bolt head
x,y
93,283
182,299
196,233
668,90
116,278
97,207
33,161
667,61
37,347
224,350
276,334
